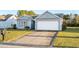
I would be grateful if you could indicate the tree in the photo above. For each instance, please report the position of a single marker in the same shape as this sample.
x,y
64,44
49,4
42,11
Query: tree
x,y
73,20
64,26
76,19
66,17
73,23
32,13
25,12
22,12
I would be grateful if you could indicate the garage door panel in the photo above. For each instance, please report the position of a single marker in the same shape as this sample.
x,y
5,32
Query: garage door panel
x,y
47,25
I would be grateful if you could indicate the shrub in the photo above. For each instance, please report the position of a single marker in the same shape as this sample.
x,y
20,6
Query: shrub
x,y
64,26
14,26
27,27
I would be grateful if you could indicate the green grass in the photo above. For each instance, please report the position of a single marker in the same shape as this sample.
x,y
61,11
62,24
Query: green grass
x,y
13,34
68,38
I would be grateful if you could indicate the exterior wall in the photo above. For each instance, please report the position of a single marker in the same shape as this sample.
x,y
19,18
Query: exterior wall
x,y
10,23
29,23
36,25
21,24
3,24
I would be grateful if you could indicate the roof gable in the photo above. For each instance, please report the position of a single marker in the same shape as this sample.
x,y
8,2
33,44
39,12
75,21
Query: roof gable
x,y
9,18
48,15
12,17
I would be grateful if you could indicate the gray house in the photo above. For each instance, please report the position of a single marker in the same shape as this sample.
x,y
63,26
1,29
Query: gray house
x,y
8,22
48,21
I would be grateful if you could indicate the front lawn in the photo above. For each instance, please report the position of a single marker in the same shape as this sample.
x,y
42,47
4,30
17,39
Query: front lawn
x,y
68,38
13,34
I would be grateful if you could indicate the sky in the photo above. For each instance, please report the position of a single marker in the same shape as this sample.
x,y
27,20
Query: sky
x,y
4,12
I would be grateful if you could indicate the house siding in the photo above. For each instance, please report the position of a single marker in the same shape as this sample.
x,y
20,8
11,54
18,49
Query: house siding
x,y
27,20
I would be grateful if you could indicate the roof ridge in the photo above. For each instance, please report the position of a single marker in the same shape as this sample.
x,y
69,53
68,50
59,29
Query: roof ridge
x,y
49,13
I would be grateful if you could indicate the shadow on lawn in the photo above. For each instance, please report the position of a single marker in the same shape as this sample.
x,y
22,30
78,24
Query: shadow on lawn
x,y
17,30
68,36
65,47
72,29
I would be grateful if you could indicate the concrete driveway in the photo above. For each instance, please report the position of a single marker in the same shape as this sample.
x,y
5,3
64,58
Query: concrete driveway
x,y
36,38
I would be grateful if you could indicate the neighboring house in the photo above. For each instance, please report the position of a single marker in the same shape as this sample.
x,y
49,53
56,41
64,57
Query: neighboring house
x,y
24,21
8,23
11,21
2,23
48,21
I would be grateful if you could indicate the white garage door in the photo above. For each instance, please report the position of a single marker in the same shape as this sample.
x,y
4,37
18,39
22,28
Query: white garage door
x,y
47,25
